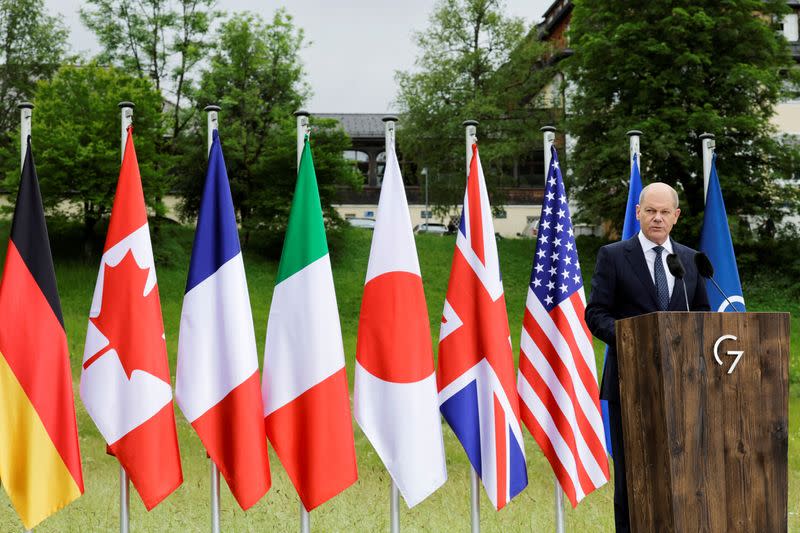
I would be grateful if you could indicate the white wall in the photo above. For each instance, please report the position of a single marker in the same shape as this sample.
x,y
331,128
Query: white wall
x,y
790,28
516,220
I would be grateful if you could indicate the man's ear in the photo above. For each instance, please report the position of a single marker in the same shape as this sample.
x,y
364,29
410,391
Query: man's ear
x,y
677,213
637,211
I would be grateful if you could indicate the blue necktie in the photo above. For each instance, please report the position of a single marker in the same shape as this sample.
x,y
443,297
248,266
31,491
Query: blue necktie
x,y
662,289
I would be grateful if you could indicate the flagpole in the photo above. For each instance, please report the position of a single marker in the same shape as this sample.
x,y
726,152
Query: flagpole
x,y
389,124
25,112
635,150
709,145
549,135
471,137
471,127
549,138
213,124
302,131
126,119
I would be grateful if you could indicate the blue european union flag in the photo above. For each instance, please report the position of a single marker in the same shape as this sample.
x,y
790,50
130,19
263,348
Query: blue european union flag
x,y
631,226
716,243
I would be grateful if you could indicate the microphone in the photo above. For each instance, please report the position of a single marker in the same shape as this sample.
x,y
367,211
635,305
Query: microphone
x,y
703,264
675,266
706,269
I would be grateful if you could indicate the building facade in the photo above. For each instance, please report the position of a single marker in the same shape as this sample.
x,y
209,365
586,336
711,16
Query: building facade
x,y
368,153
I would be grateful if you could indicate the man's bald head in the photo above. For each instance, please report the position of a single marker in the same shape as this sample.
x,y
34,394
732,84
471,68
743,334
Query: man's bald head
x,y
657,211
659,187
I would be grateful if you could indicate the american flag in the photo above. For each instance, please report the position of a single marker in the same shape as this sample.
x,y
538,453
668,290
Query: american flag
x,y
475,376
557,379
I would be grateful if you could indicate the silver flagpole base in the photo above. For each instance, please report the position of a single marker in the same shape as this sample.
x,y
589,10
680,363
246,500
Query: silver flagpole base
x,y
214,497
124,502
559,503
394,508
475,501
305,520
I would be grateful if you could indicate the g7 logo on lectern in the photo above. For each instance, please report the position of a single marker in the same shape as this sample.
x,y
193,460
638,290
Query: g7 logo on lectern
x,y
737,353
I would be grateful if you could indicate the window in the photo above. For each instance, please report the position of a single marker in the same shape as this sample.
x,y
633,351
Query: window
x,y
381,165
790,28
356,155
530,170
360,160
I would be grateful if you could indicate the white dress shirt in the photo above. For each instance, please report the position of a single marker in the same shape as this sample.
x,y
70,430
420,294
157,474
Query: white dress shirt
x,y
650,258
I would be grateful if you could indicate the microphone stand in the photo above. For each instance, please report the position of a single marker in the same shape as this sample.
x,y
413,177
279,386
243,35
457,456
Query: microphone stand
x,y
706,270
685,296
676,268
723,293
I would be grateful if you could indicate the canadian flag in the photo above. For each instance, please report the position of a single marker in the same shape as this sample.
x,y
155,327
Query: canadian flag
x,y
125,382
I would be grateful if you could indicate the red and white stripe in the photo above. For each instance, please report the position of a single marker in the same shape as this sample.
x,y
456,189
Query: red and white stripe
x,y
557,384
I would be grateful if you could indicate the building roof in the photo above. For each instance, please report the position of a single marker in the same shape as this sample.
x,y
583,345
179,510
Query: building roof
x,y
553,17
359,124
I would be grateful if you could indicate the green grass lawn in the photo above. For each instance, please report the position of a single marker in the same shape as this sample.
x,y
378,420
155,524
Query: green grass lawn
x,y
364,506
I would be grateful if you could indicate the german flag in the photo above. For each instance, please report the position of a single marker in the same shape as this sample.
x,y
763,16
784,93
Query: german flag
x,y
40,463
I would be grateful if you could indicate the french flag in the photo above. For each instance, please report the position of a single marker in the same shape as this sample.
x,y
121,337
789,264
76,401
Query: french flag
x,y
217,385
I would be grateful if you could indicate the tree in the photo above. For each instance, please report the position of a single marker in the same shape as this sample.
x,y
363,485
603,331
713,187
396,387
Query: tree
x,y
474,63
32,46
256,77
675,70
76,140
163,40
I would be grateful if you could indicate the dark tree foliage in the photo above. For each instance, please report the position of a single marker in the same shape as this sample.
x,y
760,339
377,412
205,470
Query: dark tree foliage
x,y
255,76
76,141
164,40
676,70
477,63
32,46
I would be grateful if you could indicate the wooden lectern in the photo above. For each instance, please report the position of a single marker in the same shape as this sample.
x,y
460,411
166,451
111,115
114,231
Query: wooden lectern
x,y
705,420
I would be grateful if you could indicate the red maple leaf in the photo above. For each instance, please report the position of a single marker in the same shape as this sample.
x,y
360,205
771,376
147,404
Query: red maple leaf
x,y
132,321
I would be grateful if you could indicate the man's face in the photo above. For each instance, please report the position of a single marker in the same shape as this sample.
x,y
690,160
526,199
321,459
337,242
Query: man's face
x,y
657,214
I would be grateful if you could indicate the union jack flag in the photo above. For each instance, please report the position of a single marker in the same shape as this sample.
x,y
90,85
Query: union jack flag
x,y
475,377
557,381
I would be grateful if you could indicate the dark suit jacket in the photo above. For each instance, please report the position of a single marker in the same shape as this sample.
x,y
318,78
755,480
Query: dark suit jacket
x,y
622,288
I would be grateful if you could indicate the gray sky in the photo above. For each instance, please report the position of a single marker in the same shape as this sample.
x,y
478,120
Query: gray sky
x,y
353,47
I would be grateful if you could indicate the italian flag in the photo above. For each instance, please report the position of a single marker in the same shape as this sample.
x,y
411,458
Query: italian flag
x,y
304,388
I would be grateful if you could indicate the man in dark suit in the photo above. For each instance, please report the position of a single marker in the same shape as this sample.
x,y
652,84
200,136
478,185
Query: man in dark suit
x,y
631,278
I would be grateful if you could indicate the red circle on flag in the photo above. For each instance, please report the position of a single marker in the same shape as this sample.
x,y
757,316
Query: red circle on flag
x,y
394,335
